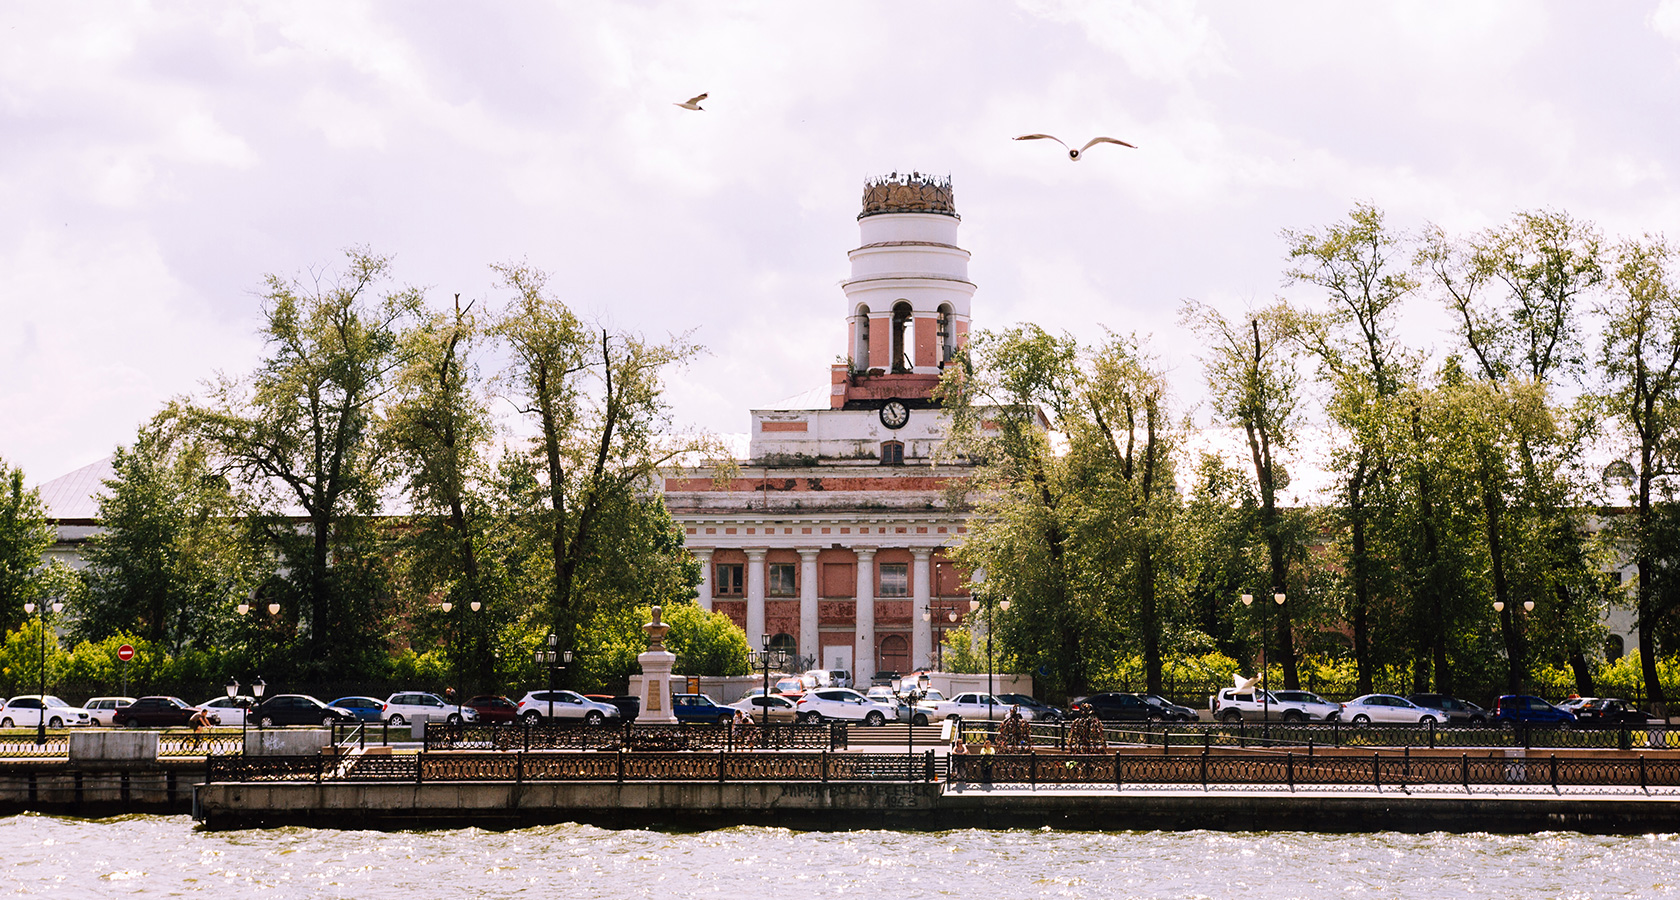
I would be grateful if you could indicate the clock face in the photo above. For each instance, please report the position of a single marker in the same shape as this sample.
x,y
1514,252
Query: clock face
x,y
894,414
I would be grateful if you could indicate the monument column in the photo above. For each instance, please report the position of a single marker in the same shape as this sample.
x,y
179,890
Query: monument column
x,y
809,641
655,689
755,596
705,557
863,664
921,591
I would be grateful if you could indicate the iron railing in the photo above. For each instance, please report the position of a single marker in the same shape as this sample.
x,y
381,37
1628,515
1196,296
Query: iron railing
x,y
619,766
18,744
682,736
1293,769
1336,734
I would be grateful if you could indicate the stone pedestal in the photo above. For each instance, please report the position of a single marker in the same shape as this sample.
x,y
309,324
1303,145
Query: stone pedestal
x,y
655,689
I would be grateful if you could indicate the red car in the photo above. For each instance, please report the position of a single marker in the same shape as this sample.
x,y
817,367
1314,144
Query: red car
x,y
493,708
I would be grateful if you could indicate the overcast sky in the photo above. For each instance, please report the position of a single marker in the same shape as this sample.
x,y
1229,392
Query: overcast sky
x,y
158,159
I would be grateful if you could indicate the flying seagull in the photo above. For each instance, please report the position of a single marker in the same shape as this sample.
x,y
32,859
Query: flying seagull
x,y
692,103
1072,153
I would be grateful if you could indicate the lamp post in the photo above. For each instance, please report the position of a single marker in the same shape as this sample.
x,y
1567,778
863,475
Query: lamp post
x,y
1519,665
455,639
916,691
992,606
939,636
244,716
1265,649
764,711
555,660
28,609
243,608
257,688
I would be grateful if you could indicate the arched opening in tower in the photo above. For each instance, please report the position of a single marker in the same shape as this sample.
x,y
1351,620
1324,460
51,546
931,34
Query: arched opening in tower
x,y
900,331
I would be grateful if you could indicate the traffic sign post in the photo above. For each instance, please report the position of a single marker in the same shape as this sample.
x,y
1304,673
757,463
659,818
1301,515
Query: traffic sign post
x,y
124,654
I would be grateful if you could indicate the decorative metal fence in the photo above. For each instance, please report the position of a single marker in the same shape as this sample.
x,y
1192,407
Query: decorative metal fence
x,y
185,743
1334,734
683,736
1292,769
20,744
619,766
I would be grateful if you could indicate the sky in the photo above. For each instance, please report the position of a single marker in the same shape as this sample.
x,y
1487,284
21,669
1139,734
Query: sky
x,y
158,159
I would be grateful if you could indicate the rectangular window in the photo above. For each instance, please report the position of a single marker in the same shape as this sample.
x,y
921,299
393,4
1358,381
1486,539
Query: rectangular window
x,y
895,579
782,580
838,580
730,580
892,453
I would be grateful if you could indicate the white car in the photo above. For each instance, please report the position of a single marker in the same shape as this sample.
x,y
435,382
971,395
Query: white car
x,y
418,706
1315,708
536,706
1388,708
101,709
780,709
844,704
228,710
978,706
26,711
1233,706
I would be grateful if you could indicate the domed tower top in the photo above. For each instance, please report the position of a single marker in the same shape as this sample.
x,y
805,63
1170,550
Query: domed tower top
x,y
907,300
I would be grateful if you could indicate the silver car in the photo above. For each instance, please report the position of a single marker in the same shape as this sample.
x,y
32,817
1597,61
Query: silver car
x,y
536,706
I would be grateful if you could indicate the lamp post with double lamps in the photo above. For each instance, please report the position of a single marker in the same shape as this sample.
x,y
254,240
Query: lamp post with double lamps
x,y
1265,653
939,636
244,717
455,639
916,690
764,700
257,688
1519,665
29,609
992,607
555,660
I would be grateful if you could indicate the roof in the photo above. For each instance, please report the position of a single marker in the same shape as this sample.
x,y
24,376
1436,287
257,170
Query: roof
x,y
75,495
815,398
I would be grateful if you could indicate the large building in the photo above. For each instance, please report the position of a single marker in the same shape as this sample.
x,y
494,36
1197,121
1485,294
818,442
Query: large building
x,y
832,536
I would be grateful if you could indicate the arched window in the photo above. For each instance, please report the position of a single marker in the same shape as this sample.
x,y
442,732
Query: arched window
x,y
860,356
900,331
1613,648
895,653
892,453
947,334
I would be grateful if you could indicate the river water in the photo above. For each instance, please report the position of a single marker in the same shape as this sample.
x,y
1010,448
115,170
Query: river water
x,y
145,856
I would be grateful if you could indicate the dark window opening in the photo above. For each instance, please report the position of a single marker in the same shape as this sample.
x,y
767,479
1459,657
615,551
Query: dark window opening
x,y
731,580
892,453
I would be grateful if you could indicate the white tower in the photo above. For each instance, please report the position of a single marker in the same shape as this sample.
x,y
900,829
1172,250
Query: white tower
x,y
907,300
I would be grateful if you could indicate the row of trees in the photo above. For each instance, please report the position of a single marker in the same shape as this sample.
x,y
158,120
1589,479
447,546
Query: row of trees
x,y
358,482
1479,494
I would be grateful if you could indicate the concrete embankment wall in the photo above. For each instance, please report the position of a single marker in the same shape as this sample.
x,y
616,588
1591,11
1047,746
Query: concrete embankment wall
x,y
691,805
163,787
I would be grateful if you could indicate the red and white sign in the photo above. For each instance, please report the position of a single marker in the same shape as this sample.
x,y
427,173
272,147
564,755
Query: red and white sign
x,y
125,652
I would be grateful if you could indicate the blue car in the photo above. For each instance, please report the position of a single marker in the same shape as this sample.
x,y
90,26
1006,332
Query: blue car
x,y
367,709
699,708
1526,710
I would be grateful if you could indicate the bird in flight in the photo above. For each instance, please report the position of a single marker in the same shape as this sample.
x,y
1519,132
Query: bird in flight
x,y
1072,153
692,103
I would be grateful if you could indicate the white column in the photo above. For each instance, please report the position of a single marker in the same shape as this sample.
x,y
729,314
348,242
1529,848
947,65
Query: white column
x,y
863,666
755,597
921,631
705,557
809,641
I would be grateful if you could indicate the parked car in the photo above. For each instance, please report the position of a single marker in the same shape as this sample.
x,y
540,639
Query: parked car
x,y
1042,712
1112,706
831,677
974,705
1173,712
493,709
299,709
1233,705
628,707
844,704
1512,709
26,711
1611,712
1574,703
365,709
791,687
1458,712
779,709
155,712
1388,708
699,708
884,677
536,706
101,709
419,706
228,710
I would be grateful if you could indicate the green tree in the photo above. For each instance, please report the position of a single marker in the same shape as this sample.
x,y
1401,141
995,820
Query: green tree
x,y
297,436
172,557
602,431
25,535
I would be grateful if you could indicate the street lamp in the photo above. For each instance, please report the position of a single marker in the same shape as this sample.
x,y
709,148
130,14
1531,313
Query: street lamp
x,y
257,688
455,636
939,636
554,659
764,712
29,609
245,715
1519,666
916,691
1265,649
992,606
